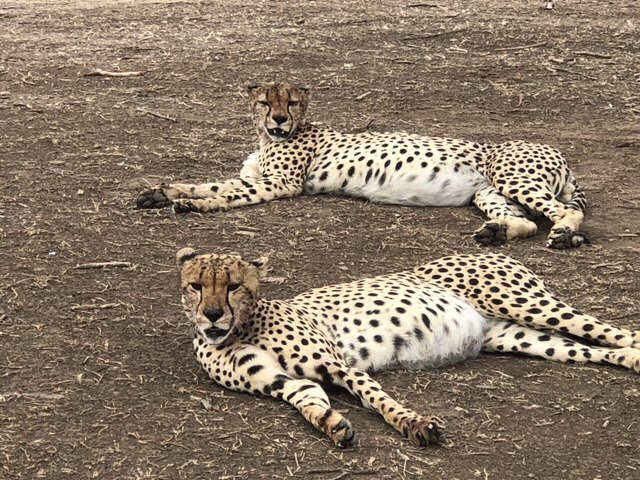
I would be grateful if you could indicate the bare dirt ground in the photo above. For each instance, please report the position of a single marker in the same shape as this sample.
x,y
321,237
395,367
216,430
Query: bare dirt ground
x,y
97,378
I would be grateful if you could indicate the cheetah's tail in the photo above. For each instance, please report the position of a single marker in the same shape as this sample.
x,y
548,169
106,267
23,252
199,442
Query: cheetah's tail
x,y
573,196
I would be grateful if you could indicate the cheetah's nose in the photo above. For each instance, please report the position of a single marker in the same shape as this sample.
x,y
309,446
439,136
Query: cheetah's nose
x,y
279,119
213,314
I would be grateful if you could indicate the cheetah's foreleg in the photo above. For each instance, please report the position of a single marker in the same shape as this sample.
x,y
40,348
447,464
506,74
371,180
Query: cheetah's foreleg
x,y
421,430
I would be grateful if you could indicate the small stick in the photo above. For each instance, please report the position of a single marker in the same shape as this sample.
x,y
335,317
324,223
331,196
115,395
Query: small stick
x,y
363,96
105,73
434,35
90,306
157,115
103,265
593,54
521,47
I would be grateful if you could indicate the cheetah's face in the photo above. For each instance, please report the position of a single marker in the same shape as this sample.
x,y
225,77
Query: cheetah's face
x,y
218,293
278,110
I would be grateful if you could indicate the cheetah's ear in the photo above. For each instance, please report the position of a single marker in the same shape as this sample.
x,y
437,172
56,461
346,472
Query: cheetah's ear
x,y
184,255
262,264
252,88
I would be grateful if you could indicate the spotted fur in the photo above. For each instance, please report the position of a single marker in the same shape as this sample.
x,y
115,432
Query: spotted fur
x,y
505,181
436,314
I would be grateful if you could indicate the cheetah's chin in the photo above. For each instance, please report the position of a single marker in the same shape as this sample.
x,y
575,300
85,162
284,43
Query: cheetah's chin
x,y
277,134
215,335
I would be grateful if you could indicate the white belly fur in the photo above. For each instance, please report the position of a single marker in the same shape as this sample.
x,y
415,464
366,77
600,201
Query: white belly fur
x,y
455,335
447,188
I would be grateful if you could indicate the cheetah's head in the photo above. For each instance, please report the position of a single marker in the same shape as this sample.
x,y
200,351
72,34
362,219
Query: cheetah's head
x,y
278,110
219,292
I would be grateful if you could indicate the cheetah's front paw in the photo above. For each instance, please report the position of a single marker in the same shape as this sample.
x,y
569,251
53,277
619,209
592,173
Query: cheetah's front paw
x,y
424,431
154,198
564,237
184,205
491,233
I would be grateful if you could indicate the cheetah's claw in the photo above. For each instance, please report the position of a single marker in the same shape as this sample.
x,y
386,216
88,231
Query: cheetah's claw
x,y
343,434
491,233
154,198
184,206
425,431
561,238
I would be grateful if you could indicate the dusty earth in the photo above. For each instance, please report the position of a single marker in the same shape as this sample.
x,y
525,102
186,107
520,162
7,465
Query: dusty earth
x,y
97,378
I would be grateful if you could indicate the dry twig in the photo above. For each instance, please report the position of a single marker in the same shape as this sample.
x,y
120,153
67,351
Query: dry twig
x,y
157,115
592,54
521,47
82,266
105,73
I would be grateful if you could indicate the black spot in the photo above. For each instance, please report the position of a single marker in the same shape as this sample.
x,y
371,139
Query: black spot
x,y
418,333
364,353
282,361
254,369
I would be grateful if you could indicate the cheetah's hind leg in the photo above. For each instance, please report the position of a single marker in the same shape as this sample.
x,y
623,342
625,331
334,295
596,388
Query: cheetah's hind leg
x,y
509,337
506,219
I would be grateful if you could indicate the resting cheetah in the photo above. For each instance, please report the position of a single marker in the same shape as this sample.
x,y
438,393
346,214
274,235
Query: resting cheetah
x,y
505,181
436,314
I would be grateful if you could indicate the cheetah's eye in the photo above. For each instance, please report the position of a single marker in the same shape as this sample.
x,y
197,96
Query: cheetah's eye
x,y
196,286
293,103
263,103
233,286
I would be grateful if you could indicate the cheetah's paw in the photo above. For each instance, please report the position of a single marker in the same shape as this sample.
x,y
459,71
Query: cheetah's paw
x,y
564,237
153,198
184,205
343,434
491,233
425,431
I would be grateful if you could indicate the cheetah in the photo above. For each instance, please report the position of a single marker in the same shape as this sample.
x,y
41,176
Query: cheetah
x,y
437,314
506,181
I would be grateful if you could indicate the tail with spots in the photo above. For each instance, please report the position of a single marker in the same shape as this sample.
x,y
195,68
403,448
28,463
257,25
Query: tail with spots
x,y
573,196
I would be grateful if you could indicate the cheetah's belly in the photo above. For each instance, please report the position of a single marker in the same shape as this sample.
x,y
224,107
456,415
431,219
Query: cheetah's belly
x,y
438,184
424,187
439,328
